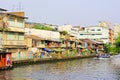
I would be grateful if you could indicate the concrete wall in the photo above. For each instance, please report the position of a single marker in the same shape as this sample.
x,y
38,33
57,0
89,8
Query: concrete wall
x,y
15,53
52,35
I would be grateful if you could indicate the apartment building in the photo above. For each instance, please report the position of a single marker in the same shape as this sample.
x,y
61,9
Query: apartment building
x,y
95,33
75,32
12,31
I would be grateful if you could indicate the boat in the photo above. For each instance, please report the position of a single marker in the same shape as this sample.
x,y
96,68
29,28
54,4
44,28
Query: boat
x,y
5,60
102,56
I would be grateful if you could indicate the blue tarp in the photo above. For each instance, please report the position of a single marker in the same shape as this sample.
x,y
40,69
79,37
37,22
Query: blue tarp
x,y
48,50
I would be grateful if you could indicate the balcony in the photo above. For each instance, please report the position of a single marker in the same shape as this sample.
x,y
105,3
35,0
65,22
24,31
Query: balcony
x,y
14,43
16,29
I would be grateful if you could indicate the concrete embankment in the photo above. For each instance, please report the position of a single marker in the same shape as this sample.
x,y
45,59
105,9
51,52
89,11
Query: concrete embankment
x,y
21,62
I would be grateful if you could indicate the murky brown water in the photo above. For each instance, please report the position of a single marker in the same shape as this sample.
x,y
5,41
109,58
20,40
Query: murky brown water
x,y
81,69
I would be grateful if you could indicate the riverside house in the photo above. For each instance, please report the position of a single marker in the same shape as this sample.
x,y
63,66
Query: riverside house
x,y
56,41
12,32
70,43
50,39
42,39
92,45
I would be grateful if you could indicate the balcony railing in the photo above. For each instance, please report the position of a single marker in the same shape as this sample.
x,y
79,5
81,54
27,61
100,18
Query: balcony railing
x,y
4,42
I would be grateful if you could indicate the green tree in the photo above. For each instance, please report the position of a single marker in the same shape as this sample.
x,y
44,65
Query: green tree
x,y
107,48
117,44
115,48
64,32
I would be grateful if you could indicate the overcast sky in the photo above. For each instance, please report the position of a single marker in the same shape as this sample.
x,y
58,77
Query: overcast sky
x,y
74,12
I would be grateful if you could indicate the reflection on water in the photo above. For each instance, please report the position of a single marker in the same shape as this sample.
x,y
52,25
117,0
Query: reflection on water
x,y
81,69
116,61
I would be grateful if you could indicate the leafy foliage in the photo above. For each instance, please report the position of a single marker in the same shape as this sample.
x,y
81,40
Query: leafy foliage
x,y
107,48
42,27
4,29
114,49
117,44
64,32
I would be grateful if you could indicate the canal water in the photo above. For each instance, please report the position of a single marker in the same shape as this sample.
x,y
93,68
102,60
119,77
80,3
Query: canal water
x,y
80,69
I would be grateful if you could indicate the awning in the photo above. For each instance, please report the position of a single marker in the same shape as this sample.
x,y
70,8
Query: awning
x,y
48,50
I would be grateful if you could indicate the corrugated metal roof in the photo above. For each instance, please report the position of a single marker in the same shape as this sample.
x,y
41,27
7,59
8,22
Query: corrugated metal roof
x,y
92,41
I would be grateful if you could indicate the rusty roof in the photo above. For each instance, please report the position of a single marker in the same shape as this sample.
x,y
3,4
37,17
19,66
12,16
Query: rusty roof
x,y
17,15
92,41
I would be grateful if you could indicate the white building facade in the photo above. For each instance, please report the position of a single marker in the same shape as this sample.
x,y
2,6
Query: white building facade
x,y
75,32
47,35
95,33
72,30
65,28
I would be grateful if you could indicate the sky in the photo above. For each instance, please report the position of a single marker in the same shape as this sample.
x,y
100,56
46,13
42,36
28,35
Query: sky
x,y
72,12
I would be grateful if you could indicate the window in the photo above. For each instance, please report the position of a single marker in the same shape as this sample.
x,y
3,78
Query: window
x,y
98,34
42,42
10,36
20,23
104,38
15,36
11,21
21,37
81,34
93,30
98,29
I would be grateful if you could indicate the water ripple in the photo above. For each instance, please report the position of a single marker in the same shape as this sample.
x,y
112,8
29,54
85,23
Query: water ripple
x,y
81,69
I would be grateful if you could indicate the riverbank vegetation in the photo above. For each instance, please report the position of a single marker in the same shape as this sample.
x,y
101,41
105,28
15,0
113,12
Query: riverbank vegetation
x,y
117,44
113,48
